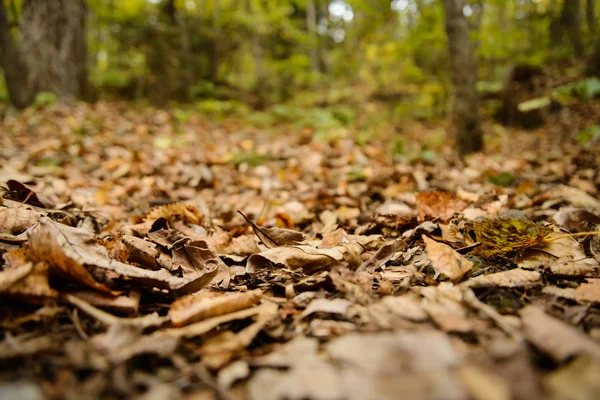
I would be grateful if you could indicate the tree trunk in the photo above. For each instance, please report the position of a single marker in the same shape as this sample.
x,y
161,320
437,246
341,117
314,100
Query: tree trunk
x,y
311,26
469,136
590,14
51,54
593,67
20,91
570,19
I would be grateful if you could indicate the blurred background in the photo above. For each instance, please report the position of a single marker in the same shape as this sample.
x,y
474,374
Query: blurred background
x,y
315,62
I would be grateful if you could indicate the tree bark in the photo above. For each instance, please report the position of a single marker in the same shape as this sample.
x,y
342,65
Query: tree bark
x,y
571,21
20,92
593,67
590,14
469,136
311,26
51,54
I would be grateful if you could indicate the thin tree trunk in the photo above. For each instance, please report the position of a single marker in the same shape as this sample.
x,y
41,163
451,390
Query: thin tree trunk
x,y
20,91
571,21
311,26
469,136
590,14
51,54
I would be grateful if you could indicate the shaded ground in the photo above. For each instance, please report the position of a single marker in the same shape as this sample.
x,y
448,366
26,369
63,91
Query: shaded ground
x,y
355,274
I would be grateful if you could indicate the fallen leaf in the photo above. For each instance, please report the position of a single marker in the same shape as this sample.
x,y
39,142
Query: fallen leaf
x,y
67,249
334,306
442,205
202,327
26,195
555,338
219,350
197,307
27,282
447,260
274,237
123,304
588,292
577,380
14,221
382,256
304,257
504,235
564,256
516,277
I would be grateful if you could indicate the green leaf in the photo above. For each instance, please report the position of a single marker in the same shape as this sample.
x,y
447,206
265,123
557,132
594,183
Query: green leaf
x,y
505,235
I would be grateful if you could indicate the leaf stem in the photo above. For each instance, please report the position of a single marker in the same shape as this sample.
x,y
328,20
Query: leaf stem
x,y
548,240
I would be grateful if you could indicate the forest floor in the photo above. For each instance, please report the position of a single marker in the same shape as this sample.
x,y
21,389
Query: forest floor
x,y
349,272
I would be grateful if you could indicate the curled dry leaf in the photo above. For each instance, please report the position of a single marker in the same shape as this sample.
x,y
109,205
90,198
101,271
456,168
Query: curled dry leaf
x,y
27,282
17,220
73,250
589,292
383,255
275,237
219,350
67,249
516,277
305,257
122,304
442,205
447,260
141,252
556,338
564,256
198,307
202,327
26,195
176,211
334,306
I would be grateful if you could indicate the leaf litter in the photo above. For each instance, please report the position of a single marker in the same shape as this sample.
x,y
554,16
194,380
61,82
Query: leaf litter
x,y
137,262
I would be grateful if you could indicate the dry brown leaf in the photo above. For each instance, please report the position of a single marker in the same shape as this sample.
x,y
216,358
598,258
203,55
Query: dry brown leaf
x,y
334,306
588,292
32,286
10,276
556,338
137,323
219,350
202,327
516,277
447,260
275,237
176,211
575,197
72,250
442,205
26,346
123,304
67,249
141,252
25,194
122,342
198,307
444,304
305,257
561,257
383,255
14,221
567,293
577,380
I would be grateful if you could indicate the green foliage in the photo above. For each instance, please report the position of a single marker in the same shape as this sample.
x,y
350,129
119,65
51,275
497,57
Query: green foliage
x,y
250,158
589,134
44,99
